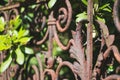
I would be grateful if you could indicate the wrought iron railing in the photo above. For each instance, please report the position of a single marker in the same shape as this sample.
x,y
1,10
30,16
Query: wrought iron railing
x,y
82,68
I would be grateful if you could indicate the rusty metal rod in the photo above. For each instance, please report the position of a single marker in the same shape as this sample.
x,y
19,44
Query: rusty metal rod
x,y
9,6
89,39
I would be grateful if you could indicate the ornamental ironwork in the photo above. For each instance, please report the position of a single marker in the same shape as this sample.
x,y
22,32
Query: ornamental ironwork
x,y
58,21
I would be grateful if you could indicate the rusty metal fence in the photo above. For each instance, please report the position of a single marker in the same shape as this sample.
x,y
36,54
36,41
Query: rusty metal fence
x,y
82,68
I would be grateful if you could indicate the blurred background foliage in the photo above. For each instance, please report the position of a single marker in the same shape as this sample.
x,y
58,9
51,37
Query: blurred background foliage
x,y
18,36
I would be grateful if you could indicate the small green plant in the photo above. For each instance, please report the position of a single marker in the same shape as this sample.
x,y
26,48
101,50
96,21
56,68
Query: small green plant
x,y
13,38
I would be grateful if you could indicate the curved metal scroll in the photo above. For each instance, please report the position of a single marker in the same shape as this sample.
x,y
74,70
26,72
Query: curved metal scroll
x,y
67,14
116,14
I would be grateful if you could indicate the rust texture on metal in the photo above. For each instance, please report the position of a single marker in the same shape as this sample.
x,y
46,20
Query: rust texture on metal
x,y
82,68
89,53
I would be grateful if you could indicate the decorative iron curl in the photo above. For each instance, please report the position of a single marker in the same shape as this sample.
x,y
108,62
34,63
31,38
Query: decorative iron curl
x,y
117,69
36,75
4,15
41,68
108,40
115,52
59,43
112,77
68,64
67,15
13,13
44,38
51,72
63,17
116,14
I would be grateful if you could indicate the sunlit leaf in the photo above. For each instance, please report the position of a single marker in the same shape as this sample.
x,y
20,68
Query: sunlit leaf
x,y
51,3
24,40
104,6
107,9
81,16
22,32
33,61
101,19
5,64
28,18
96,6
32,6
15,23
20,56
22,9
28,50
84,2
5,42
14,35
2,24
110,69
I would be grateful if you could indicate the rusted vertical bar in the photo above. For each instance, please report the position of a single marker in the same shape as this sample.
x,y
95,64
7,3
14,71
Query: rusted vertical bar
x,y
50,46
89,39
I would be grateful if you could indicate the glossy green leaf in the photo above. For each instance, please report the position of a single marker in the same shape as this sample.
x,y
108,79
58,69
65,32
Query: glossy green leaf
x,y
5,64
2,24
28,18
28,50
5,42
22,32
104,6
24,40
14,34
100,19
107,9
20,56
33,61
51,3
110,69
84,2
81,16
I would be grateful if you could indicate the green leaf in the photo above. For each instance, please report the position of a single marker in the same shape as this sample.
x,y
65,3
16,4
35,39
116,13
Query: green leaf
x,y
96,5
104,6
24,40
20,56
33,61
100,19
22,9
107,9
84,2
14,34
28,18
51,3
110,69
81,16
28,50
2,24
15,23
5,42
22,33
32,6
5,64
31,15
